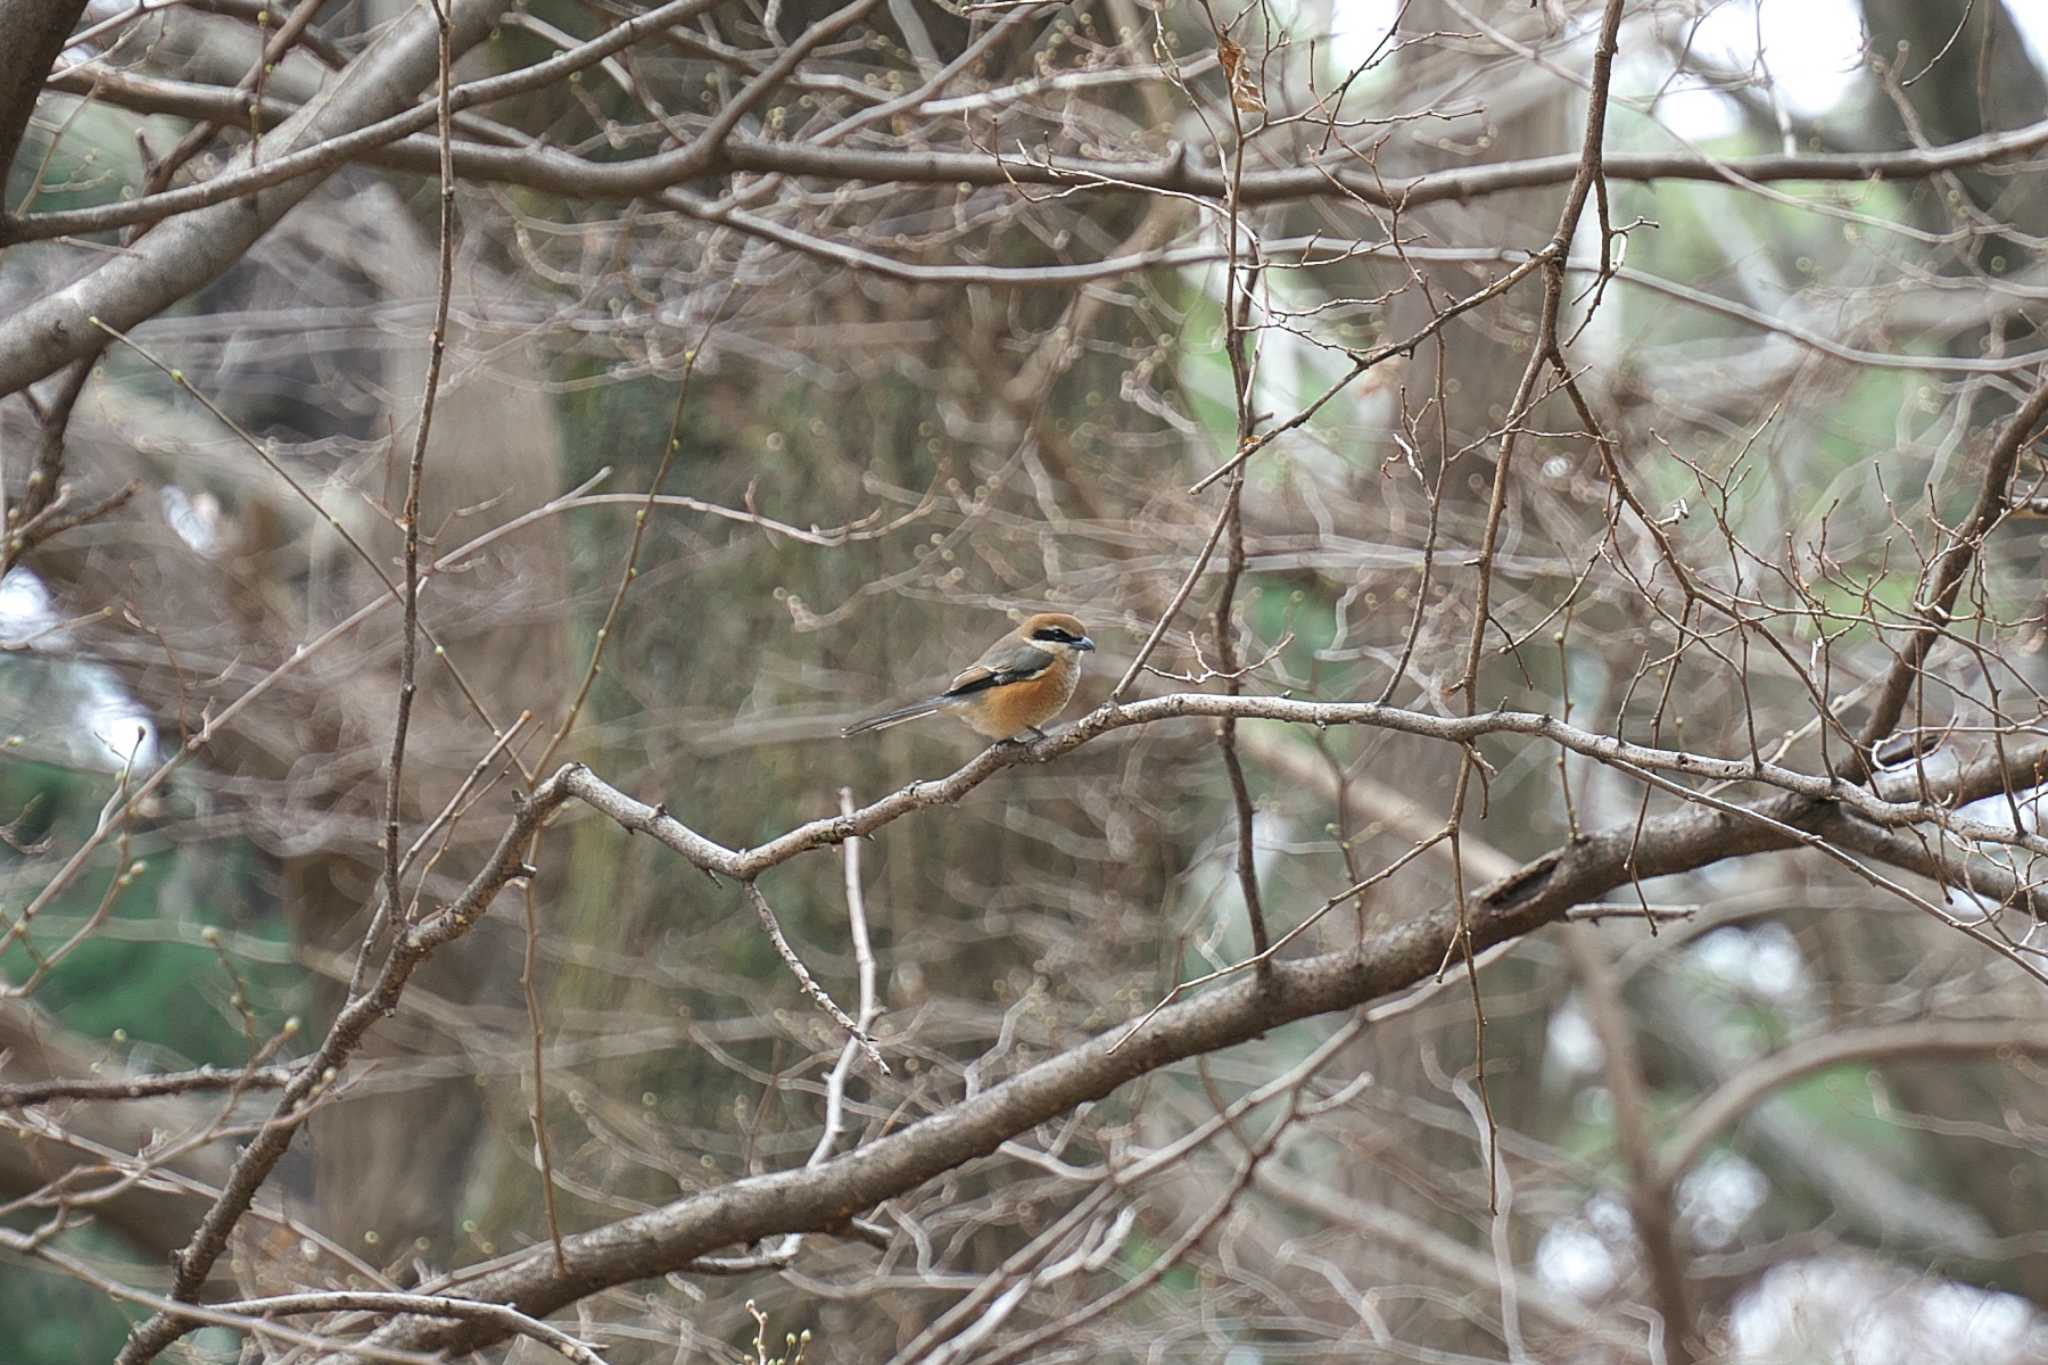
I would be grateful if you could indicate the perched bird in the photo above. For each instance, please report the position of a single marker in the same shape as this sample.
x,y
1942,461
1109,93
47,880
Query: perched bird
x,y
1024,680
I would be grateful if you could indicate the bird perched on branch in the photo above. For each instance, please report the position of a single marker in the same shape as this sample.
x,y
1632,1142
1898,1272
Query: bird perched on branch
x,y
1024,680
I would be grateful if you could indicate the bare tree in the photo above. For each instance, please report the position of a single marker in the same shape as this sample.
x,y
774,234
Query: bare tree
x,y
1547,870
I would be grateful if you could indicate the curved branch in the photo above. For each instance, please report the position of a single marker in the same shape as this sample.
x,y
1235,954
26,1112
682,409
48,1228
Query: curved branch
x,y
1406,952
1917,1041
1980,779
377,127
826,1196
539,167
178,258
823,1197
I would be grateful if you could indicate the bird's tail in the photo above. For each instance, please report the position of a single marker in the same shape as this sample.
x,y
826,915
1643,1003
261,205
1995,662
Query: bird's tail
x,y
896,717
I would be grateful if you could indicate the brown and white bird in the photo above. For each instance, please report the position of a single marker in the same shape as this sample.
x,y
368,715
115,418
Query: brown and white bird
x,y
1021,682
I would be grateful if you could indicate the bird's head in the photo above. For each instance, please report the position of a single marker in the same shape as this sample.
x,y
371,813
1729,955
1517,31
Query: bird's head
x,y
1056,633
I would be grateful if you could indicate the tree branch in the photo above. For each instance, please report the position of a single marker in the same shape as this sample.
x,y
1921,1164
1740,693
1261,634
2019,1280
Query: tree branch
x,y
1405,952
1962,1040
178,258
1939,588
536,166
36,31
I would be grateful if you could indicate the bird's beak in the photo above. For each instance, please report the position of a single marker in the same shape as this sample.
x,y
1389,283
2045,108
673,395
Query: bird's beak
x,y
1084,643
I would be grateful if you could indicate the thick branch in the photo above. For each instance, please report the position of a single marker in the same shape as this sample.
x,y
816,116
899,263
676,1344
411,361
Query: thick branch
x,y
825,1196
34,32
256,1162
1407,951
819,1198
544,168
178,258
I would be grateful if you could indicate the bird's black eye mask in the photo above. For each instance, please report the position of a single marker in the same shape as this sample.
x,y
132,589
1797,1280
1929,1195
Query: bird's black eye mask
x,y
1058,635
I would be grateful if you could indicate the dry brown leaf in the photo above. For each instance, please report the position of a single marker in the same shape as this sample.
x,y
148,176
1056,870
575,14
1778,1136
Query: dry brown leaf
x,y
1244,87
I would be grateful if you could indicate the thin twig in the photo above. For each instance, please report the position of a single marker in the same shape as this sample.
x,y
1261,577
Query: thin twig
x,y
809,983
864,960
537,1112
409,519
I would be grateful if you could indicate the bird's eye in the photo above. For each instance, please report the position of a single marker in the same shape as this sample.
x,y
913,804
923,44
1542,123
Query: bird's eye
x,y
1053,633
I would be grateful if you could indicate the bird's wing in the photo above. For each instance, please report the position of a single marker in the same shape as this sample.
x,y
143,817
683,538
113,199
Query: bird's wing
x,y
1009,661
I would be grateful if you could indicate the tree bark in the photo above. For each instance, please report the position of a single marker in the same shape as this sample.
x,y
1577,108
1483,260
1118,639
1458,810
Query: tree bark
x,y
180,256
32,34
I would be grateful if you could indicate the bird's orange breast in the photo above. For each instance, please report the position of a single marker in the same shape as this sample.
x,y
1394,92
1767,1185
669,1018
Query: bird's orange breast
x,y
1013,708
